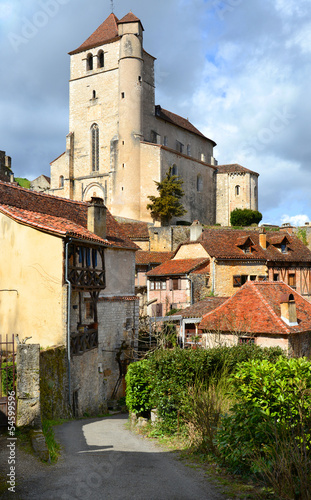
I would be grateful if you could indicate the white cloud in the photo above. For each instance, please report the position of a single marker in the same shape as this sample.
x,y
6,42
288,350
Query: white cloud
x,y
295,220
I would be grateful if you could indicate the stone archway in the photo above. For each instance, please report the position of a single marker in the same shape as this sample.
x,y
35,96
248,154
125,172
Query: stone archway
x,y
94,190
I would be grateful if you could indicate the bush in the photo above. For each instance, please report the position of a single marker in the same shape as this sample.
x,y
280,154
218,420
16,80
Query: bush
x,y
244,217
7,377
267,394
138,388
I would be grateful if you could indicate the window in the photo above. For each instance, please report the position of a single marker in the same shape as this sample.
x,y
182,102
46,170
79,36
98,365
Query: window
x,y
122,95
188,150
89,310
292,280
165,140
203,157
100,59
158,285
61,181
252,278
199,183
283,248
163,285
237,190
275,277
94,94
179,147
239,280
95,147
151,287
89,62
175,284
246,340
174,170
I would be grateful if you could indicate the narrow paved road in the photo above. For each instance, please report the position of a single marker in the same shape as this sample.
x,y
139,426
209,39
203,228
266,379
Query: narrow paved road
x,y
101,459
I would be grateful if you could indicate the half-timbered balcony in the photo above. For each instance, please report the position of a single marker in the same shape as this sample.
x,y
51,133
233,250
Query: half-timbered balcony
x,y
86,268
85,278
81,342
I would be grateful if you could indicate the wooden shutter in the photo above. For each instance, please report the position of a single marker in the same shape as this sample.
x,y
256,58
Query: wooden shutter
x,y
237,281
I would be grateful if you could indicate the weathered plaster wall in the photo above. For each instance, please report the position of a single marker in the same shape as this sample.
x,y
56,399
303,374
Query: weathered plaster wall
x,y
32,265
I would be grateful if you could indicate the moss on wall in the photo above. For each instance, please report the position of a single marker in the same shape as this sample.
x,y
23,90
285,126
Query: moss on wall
x,y
54,383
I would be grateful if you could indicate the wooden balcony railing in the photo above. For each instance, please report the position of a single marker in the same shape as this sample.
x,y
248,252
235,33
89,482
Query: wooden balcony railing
x,y
86,279
81,342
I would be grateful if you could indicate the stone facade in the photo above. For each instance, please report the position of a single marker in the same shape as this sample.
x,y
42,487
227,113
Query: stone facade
x,y
41,184
120,143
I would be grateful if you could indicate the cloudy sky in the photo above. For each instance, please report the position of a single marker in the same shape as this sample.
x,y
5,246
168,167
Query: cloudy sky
x,y
240,70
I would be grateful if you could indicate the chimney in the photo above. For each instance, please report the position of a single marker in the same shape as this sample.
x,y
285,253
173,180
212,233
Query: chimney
x,y
288,309
195,230
96,217
263,239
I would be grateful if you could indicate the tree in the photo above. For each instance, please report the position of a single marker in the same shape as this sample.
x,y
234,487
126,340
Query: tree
x,y
245,217
167,204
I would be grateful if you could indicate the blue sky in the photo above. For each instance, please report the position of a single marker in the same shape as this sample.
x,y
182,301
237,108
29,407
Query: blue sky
x,y
240,70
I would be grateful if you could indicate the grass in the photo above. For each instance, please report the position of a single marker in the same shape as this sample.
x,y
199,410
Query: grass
x,y
23,182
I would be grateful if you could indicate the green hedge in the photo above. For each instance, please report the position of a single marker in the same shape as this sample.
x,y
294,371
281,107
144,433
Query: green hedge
x,y
162,380
7,377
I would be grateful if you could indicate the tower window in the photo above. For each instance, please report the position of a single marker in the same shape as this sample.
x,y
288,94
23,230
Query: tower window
x,y
94,94
199,183
122,95
95,147
100,59
89,62
61,181
237,190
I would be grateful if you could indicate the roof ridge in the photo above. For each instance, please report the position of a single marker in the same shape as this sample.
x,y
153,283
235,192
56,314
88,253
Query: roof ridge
x,y
270,309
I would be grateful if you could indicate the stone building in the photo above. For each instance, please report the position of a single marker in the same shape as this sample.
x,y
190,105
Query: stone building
x,y
120,142
6,174
41,184
67,278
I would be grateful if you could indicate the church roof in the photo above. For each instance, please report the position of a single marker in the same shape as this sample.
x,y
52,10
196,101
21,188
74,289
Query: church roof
x,y
234,167
184,123
58,216
106,32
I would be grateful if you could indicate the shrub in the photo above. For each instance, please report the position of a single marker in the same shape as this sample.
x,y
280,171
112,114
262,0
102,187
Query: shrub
x,y
244,217
7,377
138,387
266,394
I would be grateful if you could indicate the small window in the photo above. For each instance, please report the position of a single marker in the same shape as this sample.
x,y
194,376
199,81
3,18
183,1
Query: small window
x,y
237,190
100,59
151,285
283,248
139,79
199,183
239,280
179,147
188,150
252,278
95,147
163,285
61,181
292,280
165,140
175,170
176,284
89,310
203,157
247,249
246,340
122,95
94,94
89,62
276,277
158,285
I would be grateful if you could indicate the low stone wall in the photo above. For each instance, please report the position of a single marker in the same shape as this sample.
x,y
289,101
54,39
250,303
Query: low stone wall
x,y
54,383
28,386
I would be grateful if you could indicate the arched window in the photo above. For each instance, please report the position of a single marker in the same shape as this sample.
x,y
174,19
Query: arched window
x,y
61,181
237,190
89,62
199,183
95,147
100,59
174,170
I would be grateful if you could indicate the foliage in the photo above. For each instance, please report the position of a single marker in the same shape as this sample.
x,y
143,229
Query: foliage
x,y
244,217
267,393
138,387
167,204
53,446
302,235
7,377
23,182
163,380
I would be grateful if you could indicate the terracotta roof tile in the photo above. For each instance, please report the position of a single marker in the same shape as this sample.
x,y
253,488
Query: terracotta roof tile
x,y
223,244
129,18
135,230
170,117
56,215
255,308
234,167
177,267
145,258
106,32
202,307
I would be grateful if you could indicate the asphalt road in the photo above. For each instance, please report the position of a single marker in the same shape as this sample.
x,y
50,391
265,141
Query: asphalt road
x,y
103,460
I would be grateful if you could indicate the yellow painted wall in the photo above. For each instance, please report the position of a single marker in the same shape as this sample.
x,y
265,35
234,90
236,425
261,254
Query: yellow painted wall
x,y
31,263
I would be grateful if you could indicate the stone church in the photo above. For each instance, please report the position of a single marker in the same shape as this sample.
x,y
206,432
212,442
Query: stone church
x,y
120,142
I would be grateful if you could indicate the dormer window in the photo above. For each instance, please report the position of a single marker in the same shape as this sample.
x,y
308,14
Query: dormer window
x,y
89,62
245,243
283,248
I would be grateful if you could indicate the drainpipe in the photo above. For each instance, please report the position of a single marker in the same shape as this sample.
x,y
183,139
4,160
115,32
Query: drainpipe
x,y
68,320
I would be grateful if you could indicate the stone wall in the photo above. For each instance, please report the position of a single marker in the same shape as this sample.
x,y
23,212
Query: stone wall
x,y
28,385
167,239
54,383
224,272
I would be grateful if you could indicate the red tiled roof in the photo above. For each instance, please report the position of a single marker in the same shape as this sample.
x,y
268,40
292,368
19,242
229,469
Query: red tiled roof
x,y
255,308
129,18
106,32
170,117
223,244
177,267
56,215
135,230
202,307
145,258
234,167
